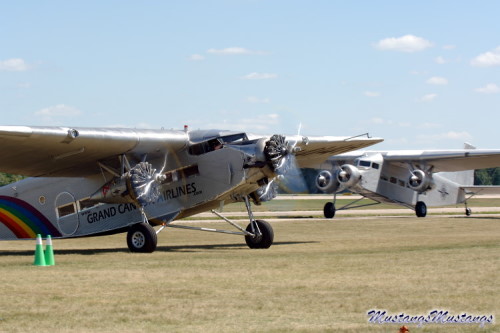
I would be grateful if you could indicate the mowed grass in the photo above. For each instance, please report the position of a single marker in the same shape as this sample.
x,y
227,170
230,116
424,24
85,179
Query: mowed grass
x,y
319,276
318,204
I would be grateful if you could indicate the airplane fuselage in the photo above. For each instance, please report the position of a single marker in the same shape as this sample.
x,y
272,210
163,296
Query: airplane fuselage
x,y
61,206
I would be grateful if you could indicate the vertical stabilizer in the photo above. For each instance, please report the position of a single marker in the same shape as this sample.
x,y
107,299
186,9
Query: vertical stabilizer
x,y
461,177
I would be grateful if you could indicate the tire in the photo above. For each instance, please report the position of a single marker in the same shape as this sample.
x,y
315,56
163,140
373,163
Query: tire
x,y
329,210
265,240
141,237
468,211
421,209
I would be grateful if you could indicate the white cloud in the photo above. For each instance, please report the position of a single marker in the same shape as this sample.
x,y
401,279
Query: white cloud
x,y
438,81
196,57
378,121
259,76
371,93
428,98
24,85
440,60
428,125
490,88
256,100
407,43
13,65
265,123
59,110
488,59
234,51
451,135
381,121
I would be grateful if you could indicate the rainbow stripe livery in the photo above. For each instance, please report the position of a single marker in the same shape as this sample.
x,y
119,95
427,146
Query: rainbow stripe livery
x,y
24,220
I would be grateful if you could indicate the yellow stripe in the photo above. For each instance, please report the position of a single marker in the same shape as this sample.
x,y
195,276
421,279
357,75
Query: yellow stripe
x,y
19,222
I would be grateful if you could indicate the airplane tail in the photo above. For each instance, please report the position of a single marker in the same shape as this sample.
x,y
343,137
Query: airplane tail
x,y
461,177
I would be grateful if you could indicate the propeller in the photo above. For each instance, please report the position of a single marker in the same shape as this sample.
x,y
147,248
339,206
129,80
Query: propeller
x,y
146,182
343,175
280,152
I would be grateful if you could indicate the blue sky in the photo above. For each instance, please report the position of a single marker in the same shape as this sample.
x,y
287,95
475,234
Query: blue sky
x,y
422,74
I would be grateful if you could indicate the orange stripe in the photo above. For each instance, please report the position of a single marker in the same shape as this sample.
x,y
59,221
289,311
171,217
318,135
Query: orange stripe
x,y
21,229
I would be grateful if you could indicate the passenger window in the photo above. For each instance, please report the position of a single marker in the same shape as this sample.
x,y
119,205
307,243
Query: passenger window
x,y
86,204
66,210
375,165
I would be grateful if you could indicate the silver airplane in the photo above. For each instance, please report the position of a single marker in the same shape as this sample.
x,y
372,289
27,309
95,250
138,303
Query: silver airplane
x,y
414,179
99,181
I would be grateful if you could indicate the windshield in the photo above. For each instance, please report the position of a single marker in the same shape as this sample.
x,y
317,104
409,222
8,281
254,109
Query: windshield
x,y
217,143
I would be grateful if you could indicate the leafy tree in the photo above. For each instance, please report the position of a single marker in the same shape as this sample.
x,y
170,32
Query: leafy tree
x,y
6,178
489,176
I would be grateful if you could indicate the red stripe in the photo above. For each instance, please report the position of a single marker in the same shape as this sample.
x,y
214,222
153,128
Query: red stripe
x,y
13,226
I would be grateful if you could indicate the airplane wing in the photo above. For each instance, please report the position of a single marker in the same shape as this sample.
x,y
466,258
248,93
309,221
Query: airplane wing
x,y
315,150
63,151
447,160
481,190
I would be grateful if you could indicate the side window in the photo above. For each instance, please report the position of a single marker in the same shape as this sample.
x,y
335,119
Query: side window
x,y
66,210
86,204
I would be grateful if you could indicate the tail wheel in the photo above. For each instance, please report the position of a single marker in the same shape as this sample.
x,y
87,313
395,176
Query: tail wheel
x,y
421,209
141,237
262,241
329,210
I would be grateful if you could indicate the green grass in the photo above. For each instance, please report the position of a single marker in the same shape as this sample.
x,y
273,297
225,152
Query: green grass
x,y
319,276
317,204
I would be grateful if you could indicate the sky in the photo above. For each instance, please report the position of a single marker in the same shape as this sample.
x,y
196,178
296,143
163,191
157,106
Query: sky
x,y
421,74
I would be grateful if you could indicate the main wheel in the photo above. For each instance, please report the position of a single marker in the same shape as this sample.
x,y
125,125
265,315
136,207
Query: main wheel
x,y
141,237
421,209
468,211
262,241
329,210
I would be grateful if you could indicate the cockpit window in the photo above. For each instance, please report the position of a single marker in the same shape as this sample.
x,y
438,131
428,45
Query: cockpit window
x,y
364,164
234,138
216,143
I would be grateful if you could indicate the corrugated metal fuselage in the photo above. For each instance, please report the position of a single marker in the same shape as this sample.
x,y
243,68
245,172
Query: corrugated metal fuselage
x,y
59,206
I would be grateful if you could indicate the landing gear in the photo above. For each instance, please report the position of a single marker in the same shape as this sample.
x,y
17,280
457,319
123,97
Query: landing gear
x,y
263,235
421,209
258,234
468,212
141,237
329,210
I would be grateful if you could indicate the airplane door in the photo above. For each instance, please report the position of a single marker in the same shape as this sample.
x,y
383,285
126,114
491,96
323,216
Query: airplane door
x,y
66,212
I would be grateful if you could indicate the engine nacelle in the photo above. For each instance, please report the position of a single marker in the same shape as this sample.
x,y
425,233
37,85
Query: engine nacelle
x,y
420,181
327,182
348,175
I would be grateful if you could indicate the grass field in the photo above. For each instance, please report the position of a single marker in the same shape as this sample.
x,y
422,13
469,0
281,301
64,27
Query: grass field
x,y
319,276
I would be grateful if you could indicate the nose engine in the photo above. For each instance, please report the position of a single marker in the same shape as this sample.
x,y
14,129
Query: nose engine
x,y
348,175
420,181
327,182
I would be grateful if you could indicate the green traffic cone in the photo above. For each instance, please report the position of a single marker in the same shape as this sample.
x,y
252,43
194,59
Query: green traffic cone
x,y
39,255
49,252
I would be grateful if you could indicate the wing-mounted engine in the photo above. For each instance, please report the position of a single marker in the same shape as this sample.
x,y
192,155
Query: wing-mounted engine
x,y
275,158
420,181
348,175
327,182
141,185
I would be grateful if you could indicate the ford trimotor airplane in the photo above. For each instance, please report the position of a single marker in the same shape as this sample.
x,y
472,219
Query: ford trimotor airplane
x,y
97,181
414,179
